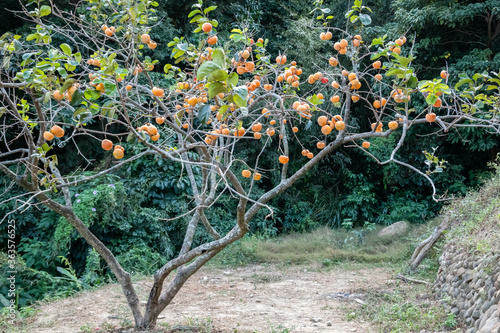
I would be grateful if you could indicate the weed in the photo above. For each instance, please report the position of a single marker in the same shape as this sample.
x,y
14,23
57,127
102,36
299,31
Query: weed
x,y
402,311
86,328
206,324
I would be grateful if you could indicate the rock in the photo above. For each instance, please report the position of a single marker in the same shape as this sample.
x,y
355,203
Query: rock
x,y
328,323
394,229
315,320
476,314
489,325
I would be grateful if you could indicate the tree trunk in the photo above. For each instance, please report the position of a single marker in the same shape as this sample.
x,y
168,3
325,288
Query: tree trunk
x,y
424,247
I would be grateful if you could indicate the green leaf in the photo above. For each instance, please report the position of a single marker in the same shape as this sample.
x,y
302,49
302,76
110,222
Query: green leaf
x,y
45,10
412,82
92,94
395,71
77,98
216,88
462,82
477,76
223,109
79,112
78,56
232,79
178,117
66,49
218,75
204,113
365,19
240,98
219,58
377,41
353,18
431,99
68,83
349,13
196,11
206,69
403,61
110,88
209,9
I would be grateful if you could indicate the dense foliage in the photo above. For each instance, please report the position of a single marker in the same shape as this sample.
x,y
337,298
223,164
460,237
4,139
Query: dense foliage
x,y
130,205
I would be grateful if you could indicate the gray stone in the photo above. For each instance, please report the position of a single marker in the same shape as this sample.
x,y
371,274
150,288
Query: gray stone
x,y
394,229
476,314
489,325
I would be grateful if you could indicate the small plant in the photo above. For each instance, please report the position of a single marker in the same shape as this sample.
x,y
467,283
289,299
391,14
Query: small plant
x,y
280,328
451,321
86,328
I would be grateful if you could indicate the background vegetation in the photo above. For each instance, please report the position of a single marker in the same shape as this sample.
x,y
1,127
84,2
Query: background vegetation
x,y
132,208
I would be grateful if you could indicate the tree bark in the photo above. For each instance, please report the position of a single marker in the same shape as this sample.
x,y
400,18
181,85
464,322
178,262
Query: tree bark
x,y
424,247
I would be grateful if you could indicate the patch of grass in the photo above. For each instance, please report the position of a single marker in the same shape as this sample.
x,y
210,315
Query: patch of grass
x,y
325,246
405,309
21,321
475,218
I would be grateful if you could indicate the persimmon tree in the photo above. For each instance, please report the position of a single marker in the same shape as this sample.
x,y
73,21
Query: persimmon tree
x,y
226,94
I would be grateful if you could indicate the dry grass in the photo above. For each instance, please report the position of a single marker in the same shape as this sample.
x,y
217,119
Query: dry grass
x,y
475,218
326,246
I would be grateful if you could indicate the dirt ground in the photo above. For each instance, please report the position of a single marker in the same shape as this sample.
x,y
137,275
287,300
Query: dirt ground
x,y
249,299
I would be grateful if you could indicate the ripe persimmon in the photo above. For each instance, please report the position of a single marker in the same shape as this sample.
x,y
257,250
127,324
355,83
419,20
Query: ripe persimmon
x,y
145,38
206,27
57,131
295,129
430,117
284,159
326,129
333,61
257,135
107,144
320,145
340,125
57,95
322,120
48,136
444,75
246,173
160,120
212,40
118,153
158,92
378,77
393,125
257,127
366,144
377,64
438,103
257,176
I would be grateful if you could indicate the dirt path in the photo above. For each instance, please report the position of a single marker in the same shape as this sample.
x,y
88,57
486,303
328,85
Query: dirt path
x,y
247,299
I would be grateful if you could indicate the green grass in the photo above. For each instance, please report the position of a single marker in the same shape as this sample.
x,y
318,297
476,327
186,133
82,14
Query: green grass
x,y
405,309
325,246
